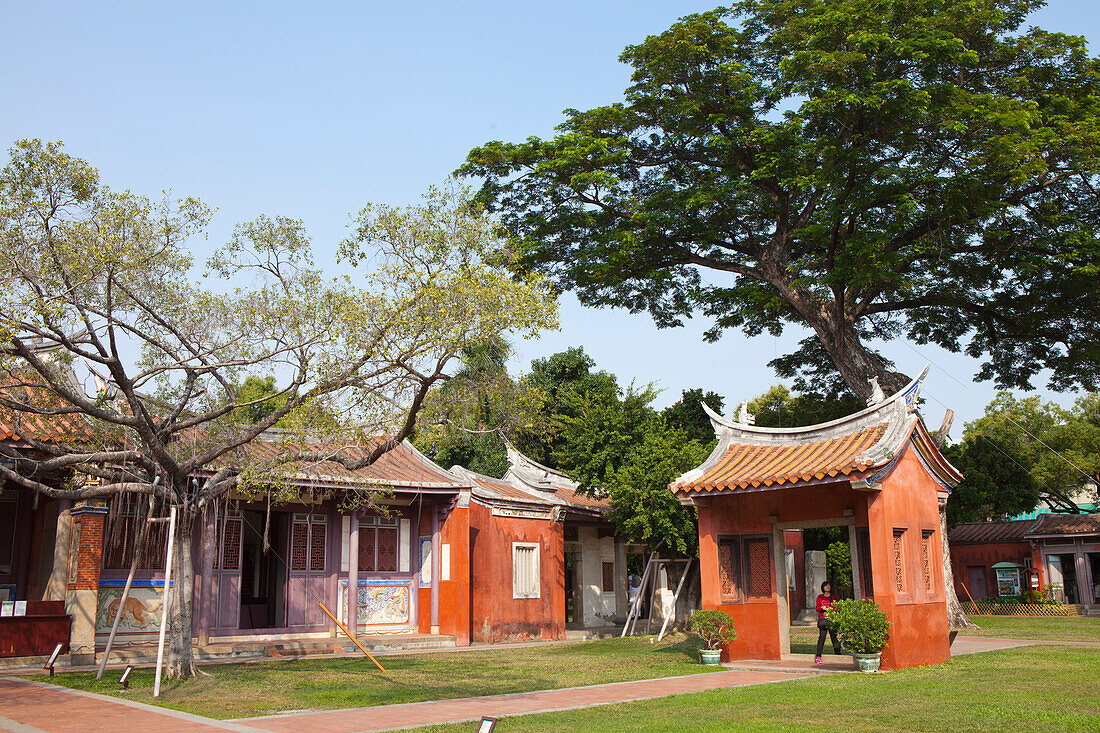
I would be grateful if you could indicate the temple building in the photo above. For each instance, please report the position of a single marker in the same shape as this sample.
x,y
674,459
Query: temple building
x,y
877,473
578,580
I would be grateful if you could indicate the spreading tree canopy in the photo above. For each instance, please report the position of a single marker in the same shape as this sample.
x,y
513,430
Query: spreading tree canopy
x,y
861,168
100,280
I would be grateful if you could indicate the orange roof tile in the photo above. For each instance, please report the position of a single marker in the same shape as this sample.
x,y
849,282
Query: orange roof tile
x,y
71,427
748,465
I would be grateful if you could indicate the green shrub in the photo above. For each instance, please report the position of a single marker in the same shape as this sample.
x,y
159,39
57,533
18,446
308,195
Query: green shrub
x,y
861,625
715,628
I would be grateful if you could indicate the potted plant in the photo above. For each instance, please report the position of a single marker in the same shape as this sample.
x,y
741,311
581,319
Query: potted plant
x,y
863,630
714,628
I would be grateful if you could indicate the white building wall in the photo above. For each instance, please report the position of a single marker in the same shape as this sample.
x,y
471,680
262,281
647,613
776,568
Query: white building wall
x,y
599,608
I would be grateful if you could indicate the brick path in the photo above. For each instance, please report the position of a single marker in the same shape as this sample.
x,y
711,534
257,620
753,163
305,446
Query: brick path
x,y
31,707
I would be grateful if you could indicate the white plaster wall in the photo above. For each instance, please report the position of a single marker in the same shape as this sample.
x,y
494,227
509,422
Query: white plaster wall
x,y
599,607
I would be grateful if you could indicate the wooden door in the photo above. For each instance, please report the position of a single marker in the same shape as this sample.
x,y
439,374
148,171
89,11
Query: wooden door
x,y
978,587
308,560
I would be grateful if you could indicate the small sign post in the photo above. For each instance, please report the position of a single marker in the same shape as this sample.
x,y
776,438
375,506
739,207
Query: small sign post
x,y
53,659
486,725
124,680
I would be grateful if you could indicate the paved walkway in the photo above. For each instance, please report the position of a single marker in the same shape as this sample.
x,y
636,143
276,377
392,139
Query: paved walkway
x,y
32,707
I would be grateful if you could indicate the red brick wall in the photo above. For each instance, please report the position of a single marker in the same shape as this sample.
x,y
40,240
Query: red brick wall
x,y
88,549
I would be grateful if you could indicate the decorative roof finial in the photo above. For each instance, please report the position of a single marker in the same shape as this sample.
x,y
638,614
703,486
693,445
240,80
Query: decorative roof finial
x,y
744,416
877,395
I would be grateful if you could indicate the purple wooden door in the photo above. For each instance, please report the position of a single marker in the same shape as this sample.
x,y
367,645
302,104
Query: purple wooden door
x,y
308,570
227,574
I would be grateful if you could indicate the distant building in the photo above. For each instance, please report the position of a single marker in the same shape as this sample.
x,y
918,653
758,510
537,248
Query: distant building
x,y
996,559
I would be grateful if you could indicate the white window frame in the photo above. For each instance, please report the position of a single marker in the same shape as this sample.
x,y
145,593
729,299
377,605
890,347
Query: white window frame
x,y
517,592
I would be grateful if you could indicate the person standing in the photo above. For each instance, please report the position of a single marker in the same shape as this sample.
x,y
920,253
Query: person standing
x,y
824,603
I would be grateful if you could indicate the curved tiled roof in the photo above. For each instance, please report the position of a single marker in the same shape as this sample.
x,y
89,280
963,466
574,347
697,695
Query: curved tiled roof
x,y
750,465
749,457
529,482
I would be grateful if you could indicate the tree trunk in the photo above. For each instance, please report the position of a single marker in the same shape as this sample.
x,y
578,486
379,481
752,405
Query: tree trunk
x,y
858,366
180,661
956,616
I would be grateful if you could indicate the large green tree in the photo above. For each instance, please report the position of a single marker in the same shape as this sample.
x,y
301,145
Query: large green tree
x,y
860,168
97,278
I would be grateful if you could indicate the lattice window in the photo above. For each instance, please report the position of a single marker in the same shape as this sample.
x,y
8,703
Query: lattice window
x,y
609,577
727,571
748,559
387,550
231,545
899,560
926,558
299,546
760,568
367,544
317,547
123,530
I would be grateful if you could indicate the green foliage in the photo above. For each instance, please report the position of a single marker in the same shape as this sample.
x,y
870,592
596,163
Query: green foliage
x,y
465,420
1023,450
779,407
645,511
995,482
687,414
838,564
255,390
864,170
714,627
862,626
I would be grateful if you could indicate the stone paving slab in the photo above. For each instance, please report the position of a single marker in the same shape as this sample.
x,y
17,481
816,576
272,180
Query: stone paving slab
x,y
393,717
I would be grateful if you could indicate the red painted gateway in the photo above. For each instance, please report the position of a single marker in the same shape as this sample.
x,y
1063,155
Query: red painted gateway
x,y
877,472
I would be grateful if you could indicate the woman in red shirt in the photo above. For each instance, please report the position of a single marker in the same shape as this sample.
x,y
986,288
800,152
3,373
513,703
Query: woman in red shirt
x,y
824,602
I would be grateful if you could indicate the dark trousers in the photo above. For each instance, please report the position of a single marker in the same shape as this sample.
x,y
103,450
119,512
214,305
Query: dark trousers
x,y
828,627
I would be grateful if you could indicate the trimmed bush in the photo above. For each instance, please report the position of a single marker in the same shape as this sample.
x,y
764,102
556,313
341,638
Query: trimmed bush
x,y
715,628
861,625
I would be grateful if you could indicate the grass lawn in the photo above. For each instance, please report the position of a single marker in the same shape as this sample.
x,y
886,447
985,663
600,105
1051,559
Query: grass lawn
x,y
1028,689
1057,628
260,688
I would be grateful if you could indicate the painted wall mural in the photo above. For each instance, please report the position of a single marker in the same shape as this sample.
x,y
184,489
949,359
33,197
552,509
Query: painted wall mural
x,y
140,612
381,603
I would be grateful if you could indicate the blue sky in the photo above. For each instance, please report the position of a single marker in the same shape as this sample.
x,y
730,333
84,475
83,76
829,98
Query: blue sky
x,y
312,111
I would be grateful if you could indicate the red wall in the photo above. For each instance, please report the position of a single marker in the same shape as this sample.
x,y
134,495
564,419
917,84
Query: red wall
x,y
756,620
494,615
919,630
986,554
454,594
907,501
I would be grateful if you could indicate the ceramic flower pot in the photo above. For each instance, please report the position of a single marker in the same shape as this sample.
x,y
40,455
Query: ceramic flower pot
x,y
868,663
710,656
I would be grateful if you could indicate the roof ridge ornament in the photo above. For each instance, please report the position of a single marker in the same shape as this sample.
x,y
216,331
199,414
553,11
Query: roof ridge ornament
x,y
744,416
877,395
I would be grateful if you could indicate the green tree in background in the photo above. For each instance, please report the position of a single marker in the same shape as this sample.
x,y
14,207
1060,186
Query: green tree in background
x,y
1023,451
688,415
779,407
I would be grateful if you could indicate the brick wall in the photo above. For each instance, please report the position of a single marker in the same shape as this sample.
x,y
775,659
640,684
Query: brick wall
x,y
87,551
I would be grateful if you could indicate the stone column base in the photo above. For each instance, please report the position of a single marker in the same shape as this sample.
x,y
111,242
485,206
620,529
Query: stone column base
x,y
81,605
